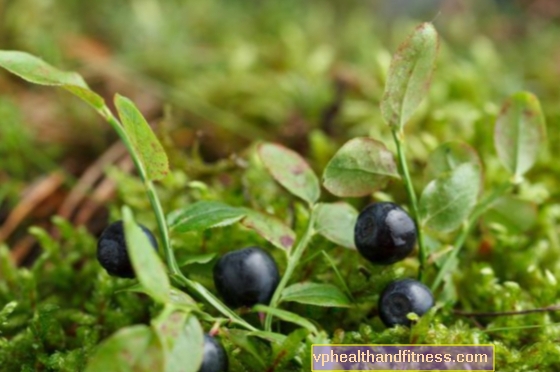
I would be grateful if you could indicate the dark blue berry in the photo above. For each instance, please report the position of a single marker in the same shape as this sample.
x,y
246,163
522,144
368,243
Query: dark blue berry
x,y
112,253
246,277
401,298
215,358
384,233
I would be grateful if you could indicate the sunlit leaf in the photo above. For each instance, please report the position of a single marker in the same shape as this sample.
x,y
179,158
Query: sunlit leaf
x,y
449,199
180,332
204,215
136,348
290,170
410,75
448,156
147,265
359,167
515,214
198,259
143,139
519,133
287,317
169,325
270,228
317,294
180,299
37,71
335,221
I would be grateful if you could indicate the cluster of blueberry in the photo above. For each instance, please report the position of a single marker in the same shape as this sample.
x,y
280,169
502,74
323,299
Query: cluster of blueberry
x,y
384,234
113,256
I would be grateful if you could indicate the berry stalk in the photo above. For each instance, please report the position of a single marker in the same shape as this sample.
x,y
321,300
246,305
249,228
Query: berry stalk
x,y
150,191
405,174
212,300
294,257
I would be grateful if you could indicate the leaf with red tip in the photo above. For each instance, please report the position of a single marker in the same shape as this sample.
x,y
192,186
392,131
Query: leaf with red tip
x,y
361,166
410,75
290,170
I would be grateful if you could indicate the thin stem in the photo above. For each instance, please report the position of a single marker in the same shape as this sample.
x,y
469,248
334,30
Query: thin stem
x,y
399,142
150,190
293,260
339,276
162,225
199,289
482,207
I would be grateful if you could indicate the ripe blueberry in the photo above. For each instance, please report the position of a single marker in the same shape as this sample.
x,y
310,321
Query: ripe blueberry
x,y
112,253
384,233
402,297
215,358
246,277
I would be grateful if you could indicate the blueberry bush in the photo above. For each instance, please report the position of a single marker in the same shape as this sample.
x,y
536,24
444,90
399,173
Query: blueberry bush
x,y
427,178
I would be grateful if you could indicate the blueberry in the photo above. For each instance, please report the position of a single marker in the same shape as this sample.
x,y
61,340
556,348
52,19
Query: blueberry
x,y
246,277
402,297
384,233
112,253
215,358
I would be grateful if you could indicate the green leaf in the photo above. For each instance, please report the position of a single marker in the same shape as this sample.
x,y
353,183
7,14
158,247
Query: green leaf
x,y
449,199
135,348
241,338
315,294
204,215
180,331
410,75
198,259
169,325
449,156
286,316
289,348
143,140
210,298
182,300
335,221
515,214
519,133
177,298
147,265
273,337
290,170
359,167
37,71
270,228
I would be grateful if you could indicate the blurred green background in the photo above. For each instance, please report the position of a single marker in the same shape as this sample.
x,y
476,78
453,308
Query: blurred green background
x,y
214,76
229,72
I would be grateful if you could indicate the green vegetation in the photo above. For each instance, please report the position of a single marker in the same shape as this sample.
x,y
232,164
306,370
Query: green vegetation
x,y
456,130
